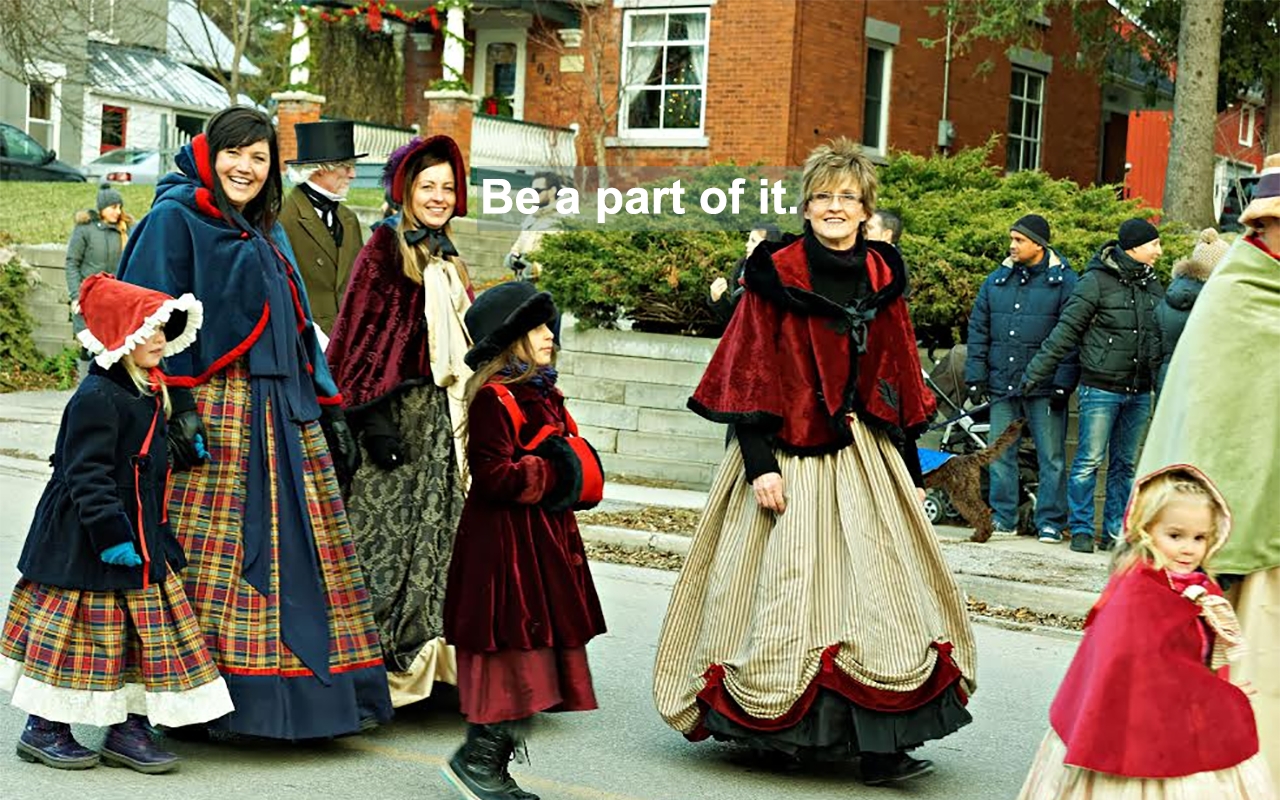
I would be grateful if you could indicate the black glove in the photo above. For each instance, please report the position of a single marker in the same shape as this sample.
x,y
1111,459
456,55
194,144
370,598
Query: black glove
x,y
342,443
1058,400
187,438
977,395
1027,387
385,451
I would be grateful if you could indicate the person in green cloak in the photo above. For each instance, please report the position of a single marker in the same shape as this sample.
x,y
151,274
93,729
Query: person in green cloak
x,y
1219,412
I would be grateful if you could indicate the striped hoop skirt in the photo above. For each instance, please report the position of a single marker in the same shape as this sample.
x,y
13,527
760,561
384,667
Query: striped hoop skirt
x,y
834,627
1050,779
276,694
93,657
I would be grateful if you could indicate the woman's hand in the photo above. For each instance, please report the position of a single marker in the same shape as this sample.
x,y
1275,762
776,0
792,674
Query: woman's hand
x,y
770,492
718,287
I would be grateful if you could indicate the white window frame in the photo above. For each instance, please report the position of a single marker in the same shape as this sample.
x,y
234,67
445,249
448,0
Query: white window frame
x,y
886,82
95,24
487,36
1244,135
1025,100
51,75
625,131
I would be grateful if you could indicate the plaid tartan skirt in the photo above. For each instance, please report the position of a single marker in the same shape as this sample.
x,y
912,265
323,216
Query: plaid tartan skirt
x,y
93,657
275,693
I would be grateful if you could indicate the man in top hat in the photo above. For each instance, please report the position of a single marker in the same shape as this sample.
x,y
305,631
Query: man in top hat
x,y
326,236
1218,412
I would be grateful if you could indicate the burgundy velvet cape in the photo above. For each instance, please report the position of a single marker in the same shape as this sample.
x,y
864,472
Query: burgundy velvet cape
x,y
1138,699
379,341
519,578
790,361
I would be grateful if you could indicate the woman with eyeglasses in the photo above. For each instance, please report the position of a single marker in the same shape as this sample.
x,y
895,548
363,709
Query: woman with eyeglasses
x,y
815,618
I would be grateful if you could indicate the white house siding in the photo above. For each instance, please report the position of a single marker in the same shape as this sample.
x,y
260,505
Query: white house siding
x,y
142,130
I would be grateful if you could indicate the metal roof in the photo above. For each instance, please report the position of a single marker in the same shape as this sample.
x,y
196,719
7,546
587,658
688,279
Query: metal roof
x,y
153,77
193,38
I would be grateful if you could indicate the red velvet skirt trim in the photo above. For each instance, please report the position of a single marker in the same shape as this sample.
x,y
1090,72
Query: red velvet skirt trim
x,y
945,675
516,684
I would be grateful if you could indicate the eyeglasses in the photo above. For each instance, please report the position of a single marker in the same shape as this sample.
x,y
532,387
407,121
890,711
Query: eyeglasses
x,y
827,198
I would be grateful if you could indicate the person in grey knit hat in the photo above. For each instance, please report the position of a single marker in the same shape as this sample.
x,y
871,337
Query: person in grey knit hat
x,y
95,246
1189,276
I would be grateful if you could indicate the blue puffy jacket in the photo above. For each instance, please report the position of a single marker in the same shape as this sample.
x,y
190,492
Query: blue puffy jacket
x,y
1016,308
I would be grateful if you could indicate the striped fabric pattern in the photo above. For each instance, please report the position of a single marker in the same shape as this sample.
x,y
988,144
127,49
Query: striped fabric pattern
x,y
852,561
99,641
206,509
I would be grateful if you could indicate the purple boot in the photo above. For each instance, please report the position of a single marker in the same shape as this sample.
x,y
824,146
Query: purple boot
x,y
129,745
51,743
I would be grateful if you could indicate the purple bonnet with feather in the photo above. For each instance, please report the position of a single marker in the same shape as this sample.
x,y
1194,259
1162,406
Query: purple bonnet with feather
x,y
400,166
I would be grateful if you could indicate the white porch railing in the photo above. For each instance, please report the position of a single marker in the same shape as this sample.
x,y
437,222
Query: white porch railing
x,y
503,142
379,141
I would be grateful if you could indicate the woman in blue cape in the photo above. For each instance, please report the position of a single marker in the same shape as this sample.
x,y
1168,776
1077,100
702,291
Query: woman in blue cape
x,y
272,575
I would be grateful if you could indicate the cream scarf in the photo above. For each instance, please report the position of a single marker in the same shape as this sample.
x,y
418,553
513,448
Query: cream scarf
x,y
446,303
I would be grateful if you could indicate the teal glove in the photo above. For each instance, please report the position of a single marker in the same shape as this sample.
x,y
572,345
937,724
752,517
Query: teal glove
x,y
121,555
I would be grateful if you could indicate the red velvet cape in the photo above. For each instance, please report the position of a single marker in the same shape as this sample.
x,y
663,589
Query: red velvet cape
x,y
789,361
1138,699
379,341
519,578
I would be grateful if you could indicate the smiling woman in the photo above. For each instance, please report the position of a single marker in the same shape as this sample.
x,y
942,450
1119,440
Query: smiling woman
x,y
272,572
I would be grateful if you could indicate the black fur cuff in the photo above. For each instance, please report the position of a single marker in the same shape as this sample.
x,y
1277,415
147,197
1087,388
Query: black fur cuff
x,y
568,486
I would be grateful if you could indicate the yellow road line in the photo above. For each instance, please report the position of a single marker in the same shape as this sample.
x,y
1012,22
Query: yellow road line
x,y
544,786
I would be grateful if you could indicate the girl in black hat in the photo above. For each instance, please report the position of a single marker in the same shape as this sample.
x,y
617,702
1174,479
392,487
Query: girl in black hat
x,y
520,605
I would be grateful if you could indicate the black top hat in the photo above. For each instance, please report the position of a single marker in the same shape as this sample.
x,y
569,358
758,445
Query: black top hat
x,y
324,142
502,315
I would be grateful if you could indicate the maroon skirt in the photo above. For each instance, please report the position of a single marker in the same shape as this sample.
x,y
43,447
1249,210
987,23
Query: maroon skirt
x,y
516,684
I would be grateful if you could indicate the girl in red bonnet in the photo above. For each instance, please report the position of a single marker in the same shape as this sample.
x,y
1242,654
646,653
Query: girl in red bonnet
x,y
1147,709
520,605
99,630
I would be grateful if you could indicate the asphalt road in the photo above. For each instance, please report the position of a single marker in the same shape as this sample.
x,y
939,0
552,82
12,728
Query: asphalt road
x,y
621,752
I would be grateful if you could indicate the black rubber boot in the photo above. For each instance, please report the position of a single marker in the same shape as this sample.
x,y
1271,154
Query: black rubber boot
x,y
879,769
51,743
479,769
129,745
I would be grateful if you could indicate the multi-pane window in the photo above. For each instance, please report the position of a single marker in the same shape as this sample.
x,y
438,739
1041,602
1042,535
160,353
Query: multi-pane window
x,y
1026,120
114,121
875,109
40,113
665,69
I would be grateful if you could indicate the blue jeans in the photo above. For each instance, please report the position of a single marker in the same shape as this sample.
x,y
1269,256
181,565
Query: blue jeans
x,y
1049,432
1117,420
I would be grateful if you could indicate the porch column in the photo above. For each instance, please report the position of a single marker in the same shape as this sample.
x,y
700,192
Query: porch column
x,y
299,74
451,111
291,109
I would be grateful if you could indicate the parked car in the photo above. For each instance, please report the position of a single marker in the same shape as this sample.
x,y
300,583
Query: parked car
x,y
129,165
1239,193
24,159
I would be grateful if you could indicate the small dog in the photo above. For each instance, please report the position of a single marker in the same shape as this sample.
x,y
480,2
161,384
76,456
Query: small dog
x,y
961,478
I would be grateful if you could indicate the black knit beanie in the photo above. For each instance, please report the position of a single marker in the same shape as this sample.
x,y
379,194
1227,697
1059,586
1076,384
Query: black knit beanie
x,y
1034,227
1136,232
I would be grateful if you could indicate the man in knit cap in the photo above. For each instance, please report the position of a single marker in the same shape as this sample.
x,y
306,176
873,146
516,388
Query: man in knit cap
x,y
1219,413
1018,305
1111,318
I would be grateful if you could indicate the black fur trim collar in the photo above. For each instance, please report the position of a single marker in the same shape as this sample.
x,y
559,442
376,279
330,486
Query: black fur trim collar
x,y
761,276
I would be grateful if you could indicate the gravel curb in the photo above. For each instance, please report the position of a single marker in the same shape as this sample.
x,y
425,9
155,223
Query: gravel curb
x,y
1037,597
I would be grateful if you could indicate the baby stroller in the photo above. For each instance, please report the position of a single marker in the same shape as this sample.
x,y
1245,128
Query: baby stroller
x,y
963,433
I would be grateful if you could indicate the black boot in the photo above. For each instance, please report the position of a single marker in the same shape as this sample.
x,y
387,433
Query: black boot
x,y
51,743
879,769
1082,542
129,745
479,769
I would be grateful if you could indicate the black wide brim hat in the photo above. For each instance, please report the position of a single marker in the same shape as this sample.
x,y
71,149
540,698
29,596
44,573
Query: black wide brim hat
x,y
325,142
503,314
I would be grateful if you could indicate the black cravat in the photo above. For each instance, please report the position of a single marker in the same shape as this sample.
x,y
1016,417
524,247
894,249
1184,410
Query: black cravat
x,y
437,242
328,208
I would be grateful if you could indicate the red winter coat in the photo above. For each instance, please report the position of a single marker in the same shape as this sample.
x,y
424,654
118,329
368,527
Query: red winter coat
x,y
519,578
1138,700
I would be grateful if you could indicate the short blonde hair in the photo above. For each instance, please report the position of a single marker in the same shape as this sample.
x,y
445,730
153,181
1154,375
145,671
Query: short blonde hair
x,y
834,163
1152,496
142,380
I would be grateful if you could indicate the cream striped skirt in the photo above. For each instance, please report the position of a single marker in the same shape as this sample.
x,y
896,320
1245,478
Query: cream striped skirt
x,y
846,589
1050,779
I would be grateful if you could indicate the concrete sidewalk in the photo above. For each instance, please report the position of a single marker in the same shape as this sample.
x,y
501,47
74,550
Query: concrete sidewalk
x,y
1010,572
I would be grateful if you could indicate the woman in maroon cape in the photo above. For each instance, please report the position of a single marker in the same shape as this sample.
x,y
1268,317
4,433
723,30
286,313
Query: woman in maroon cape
x,y
815,615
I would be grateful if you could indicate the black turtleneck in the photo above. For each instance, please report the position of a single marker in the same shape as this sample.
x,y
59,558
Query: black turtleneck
x,y
841,277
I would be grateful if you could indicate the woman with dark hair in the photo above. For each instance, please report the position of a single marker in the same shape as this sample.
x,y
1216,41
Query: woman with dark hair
x,y
272,571
397,351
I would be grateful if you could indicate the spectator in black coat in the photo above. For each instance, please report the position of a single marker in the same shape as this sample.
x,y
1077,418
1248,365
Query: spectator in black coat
x,y
726,291
1189,276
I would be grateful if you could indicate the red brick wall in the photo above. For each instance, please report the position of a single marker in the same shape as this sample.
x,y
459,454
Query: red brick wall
x,y
828,74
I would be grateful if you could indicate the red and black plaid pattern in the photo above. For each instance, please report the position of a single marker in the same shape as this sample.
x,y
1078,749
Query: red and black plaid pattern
x,y
99,641
206,509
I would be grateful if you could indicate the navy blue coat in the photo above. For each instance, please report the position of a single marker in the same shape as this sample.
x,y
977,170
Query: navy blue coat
x,y
1171,315
1016,308
90,503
